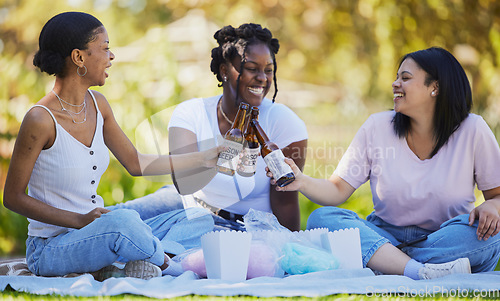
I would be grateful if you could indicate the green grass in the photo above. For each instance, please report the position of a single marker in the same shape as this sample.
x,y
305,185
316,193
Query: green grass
x,y
10,295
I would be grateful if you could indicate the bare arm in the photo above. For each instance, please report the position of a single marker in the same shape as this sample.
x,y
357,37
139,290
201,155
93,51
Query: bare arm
x,y
37,131
285,205
138,164
488,214
182,141
331,192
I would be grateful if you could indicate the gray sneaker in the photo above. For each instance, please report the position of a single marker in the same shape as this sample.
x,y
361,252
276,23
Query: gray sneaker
x,y
136,269
111,271
142,269
433,270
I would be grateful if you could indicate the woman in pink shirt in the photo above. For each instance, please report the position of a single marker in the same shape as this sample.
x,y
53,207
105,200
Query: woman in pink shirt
x,y
423,160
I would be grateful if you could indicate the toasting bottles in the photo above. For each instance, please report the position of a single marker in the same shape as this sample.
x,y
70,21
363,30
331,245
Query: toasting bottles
x,y
251,148
273,156
228,159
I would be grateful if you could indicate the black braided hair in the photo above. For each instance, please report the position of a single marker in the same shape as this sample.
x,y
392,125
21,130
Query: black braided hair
x,y
234,42
60,35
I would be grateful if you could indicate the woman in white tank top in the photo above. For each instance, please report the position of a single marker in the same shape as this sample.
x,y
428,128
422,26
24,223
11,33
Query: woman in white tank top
x,y
60,154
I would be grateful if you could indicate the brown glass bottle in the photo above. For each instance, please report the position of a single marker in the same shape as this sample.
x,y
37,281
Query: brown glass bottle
x,y
274,158
251,148
233,140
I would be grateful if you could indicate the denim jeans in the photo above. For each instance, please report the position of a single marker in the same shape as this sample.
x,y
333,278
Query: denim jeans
x,y
120,235
163,200
167,199
454,239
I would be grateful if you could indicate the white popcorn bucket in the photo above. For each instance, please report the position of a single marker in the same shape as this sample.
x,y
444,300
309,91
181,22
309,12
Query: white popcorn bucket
x,y
345,245
226,254
314,236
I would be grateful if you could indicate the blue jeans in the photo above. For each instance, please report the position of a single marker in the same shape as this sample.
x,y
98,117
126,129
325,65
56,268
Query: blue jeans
x,y
163,200
454,239
120,235
167,199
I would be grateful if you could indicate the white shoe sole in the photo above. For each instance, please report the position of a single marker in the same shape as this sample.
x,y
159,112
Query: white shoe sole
x,y
142,269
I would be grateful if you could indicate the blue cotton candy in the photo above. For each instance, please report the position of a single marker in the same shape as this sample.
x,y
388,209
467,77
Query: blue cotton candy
x,y
299,259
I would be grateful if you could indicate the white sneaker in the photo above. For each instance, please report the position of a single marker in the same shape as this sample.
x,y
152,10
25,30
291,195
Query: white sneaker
x,y
432,270
142,269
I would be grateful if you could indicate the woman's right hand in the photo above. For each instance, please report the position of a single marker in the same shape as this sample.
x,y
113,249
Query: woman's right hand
x,y
296,184
210,156
95,213
331,192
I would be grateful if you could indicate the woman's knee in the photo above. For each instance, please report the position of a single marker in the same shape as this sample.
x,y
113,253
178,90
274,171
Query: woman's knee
x,y
195,218
330,217
462,219
123,221
200,215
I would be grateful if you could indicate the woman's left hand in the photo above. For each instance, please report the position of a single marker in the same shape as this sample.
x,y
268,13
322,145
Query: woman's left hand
x,y
489,219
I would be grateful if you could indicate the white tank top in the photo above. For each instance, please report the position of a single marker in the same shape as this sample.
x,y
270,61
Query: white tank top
x,y
67,174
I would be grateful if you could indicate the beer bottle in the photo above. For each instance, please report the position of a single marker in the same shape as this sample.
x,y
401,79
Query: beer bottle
x,y
251,148
274,158
233,140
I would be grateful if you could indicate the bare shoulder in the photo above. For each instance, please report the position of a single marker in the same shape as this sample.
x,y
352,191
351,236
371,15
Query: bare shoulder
x,y
38,117
38,125
98,95
102,103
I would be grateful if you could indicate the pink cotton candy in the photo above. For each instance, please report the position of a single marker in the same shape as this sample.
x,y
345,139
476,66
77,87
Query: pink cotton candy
x,y
195,262
262,261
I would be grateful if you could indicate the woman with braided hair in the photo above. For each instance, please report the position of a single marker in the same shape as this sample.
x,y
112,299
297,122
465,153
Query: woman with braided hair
x,y
245,65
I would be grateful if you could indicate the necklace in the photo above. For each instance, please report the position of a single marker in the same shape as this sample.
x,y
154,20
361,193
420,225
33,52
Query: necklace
x,y
71,113
223,114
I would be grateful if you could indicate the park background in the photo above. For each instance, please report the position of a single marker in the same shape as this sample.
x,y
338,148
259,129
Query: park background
x,y
336,64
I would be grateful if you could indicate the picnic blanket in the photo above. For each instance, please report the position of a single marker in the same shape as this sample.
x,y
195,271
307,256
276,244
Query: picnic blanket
x,y
356,281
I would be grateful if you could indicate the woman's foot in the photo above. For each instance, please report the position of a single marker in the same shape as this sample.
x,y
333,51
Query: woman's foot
x,y
142,269
433,270
136,269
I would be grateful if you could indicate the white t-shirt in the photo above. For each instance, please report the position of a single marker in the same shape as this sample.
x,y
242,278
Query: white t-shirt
x,y
426,193
237,194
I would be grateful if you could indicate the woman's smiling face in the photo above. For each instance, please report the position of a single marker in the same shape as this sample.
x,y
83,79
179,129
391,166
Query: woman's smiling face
x,y
98,58
256,75
412,94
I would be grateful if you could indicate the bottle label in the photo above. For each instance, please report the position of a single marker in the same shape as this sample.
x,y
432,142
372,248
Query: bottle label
x,y
230,157
275,160
248,163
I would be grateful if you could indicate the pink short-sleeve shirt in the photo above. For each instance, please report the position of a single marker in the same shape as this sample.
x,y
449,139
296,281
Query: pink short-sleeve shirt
x,y
426,193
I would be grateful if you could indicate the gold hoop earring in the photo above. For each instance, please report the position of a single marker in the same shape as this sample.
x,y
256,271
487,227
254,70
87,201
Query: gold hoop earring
x,y
78,71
